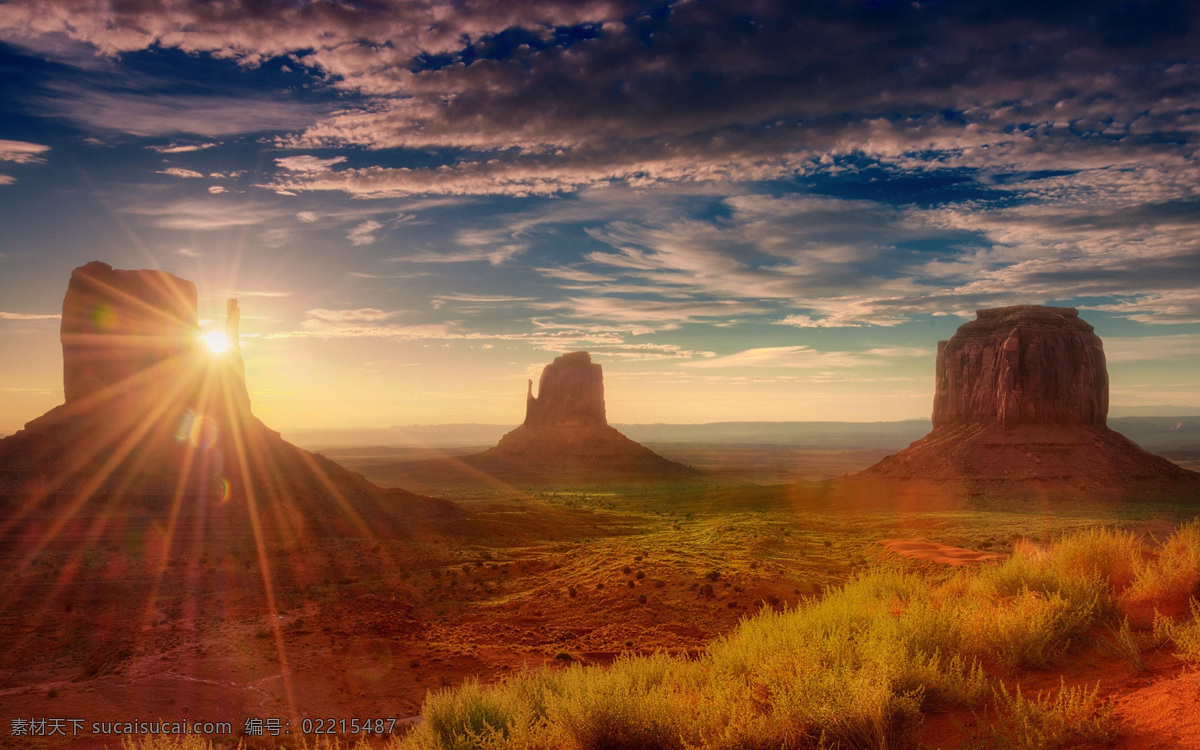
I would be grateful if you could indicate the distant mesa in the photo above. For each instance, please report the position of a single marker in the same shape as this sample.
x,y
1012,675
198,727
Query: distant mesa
x,y
566,432
1021,399
155,422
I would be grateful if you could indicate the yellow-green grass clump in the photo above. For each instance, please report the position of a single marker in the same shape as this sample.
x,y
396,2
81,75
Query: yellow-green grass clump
x,y
858,668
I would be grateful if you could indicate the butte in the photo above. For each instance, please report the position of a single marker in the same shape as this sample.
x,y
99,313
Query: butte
x,y
566,435
156,437
1021,407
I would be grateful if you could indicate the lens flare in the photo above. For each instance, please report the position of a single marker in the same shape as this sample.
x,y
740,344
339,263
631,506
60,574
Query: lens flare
x,y
185,425
204,432
103,317
216,341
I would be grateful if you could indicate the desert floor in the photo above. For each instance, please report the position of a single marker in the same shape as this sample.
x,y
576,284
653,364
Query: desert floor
x,y
104,626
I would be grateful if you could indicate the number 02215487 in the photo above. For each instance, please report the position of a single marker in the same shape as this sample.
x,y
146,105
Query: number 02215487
x,y
347,726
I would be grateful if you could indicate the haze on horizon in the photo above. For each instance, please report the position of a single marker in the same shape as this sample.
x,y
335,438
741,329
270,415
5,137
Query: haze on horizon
x,y
767,214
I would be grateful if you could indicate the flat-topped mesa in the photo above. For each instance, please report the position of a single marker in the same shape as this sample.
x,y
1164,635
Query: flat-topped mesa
x,y
570,392
1022,365
122,329
1020,407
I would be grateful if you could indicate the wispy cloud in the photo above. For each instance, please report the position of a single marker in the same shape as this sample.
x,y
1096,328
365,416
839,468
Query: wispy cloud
x,y
804,357
206,214
256,293
363,315
308,163
364,233
22,152
1119,349
144,114
27,316
182,148
180,172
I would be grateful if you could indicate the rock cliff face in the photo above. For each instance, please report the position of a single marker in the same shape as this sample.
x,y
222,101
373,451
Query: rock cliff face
x,y
1022,365
570,392
566,434
1021,402
126,328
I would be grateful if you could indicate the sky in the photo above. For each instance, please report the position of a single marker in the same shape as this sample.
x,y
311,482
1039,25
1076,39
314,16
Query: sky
x,y
744,210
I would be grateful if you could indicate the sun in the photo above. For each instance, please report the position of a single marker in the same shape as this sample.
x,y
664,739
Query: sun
x,y
216,341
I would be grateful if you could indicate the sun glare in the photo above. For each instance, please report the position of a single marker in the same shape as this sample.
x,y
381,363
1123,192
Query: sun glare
x,y
216,341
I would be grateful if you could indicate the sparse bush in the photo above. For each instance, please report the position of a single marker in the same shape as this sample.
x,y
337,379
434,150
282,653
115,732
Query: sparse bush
x,y
1175,574
1184,635
1110,554
1072,717
1123,643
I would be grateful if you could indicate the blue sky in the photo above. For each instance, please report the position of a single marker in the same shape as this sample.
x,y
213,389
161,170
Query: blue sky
x,y
768,210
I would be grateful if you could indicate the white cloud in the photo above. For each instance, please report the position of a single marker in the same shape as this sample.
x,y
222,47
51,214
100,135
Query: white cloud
x,y
182,148
179,172
806,357
363,234
22,152
364,314
27,316
308,163
204,214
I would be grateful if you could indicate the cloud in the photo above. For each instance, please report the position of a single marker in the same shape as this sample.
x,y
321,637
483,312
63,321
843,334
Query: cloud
x,y
7,179
179,172
364,315
363,234
257,293
307,163
174,148
803,357
27,316
489,298
217,189
1121,349
157,114
553,97
971,157
203,214
574,274
22,152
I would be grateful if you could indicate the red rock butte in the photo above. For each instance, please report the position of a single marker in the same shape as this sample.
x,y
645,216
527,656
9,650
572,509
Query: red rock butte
x,y
157,423
1021,401
566,434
